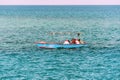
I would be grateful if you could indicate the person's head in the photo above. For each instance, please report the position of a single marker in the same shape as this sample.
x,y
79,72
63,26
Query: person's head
x,y
78,39
78,34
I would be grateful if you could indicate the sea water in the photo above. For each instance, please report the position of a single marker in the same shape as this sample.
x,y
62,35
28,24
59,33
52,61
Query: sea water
x,y
21,26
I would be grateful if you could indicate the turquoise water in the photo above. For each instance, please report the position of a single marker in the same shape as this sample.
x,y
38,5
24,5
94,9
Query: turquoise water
x,y
21,59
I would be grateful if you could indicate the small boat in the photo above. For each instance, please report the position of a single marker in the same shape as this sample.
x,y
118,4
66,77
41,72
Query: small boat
x,y
59,46
43,44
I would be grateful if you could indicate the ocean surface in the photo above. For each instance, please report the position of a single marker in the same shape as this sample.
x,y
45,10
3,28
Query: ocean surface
x,y
21,26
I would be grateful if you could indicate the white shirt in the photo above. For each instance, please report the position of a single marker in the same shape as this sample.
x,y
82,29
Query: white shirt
x,y
66,42
77,42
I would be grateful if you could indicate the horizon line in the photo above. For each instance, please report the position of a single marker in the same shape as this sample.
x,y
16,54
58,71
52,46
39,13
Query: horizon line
x,y
60,5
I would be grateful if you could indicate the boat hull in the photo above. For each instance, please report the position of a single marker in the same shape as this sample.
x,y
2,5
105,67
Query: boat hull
x,y
60,46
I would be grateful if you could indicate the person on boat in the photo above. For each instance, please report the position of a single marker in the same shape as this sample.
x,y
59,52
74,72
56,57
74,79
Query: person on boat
x,y
77,41
81,41
66,42
42,42
73,41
